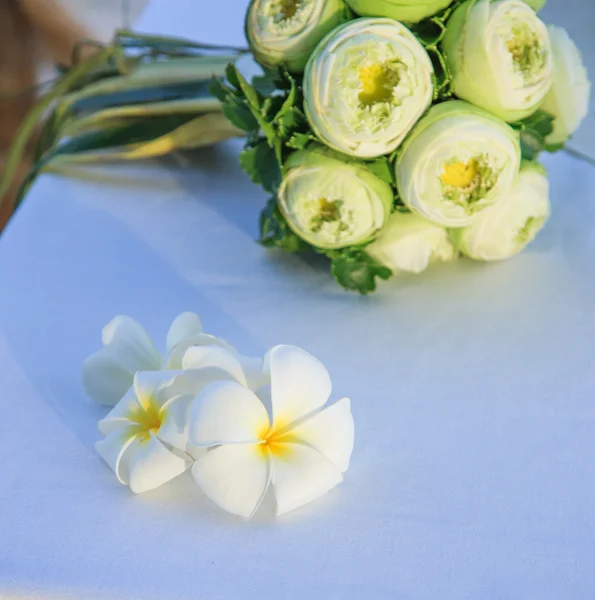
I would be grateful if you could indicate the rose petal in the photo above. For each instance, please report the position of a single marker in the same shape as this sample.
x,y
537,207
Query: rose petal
x,y
235,477
105,380
184,326
227,413
300,384
152,465
330,431
130,344
300,474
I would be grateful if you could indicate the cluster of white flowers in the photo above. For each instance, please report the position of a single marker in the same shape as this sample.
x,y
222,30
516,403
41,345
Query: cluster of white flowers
x,y
461,182
238,424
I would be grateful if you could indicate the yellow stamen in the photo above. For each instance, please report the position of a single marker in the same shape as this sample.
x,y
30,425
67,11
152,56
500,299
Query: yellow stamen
x,y
288,8
148,417
459,174
378,82
276,441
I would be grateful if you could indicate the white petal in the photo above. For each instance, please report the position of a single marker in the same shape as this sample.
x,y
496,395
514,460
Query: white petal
x,y
300,384
300,474
174,360
157,386
152,465
227,413
330,431
116,450
235,477
184,326
105,380
174,424
201,357
122,414
131,345
254,369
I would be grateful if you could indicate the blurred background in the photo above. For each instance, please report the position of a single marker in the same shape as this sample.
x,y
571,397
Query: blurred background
x,y
34,34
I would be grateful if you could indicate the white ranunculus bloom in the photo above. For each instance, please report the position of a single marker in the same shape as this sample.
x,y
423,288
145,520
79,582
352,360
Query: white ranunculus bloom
x,y
507,228
568,99
146,433
457,161
500,56
366,85
287,31
127,349
332,202
410,243
303,450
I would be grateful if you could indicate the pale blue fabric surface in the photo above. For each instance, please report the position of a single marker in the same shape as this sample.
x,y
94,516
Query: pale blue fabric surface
x,y
473,474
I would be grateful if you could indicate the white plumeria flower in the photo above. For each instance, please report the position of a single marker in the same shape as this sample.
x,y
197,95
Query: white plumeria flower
x,y
127,349
146,441
303,450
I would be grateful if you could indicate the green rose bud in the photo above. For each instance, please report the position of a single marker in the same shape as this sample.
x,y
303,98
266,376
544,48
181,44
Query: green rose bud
x,y
506,228
411,11
330,202
568,98
500,56
410,243
457,161
287,31
366,85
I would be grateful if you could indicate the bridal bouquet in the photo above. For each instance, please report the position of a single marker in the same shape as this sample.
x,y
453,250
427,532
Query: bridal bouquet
x,y
392,134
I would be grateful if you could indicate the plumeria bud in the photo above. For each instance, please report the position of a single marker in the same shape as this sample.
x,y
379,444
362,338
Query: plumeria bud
x,y
457,162
366,85
507,228
568,98
410,243
287,31
500,56
410,11
331,202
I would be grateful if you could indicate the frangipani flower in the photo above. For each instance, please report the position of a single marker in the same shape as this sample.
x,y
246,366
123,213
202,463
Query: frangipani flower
x,y
146,441
410,243
500,56
287,31
568,98
507,228
366,85
457,161
303,450
127,349
410,11
332,202
147,431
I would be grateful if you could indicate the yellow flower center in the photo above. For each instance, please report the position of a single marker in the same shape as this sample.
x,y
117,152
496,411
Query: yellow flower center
x,y
459,174
377,81
288,8
275,439
147,416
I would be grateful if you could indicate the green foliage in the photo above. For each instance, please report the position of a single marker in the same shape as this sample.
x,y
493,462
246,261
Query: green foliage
x,y
354,269
534,131
276,233
259,161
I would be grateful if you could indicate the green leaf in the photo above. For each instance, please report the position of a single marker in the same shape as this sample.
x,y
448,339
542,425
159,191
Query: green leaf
x,y
232,73
291,120
555,147
356,270
534,131
381,167
276,233
219,89
265,84
240,115
298,141
261,165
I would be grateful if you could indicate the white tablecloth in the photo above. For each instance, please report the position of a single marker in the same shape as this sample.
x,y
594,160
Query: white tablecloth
x,y
473,474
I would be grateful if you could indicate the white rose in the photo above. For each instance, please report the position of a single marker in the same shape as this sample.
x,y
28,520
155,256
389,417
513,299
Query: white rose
x,y
568,99
500,56
507,228
410,243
